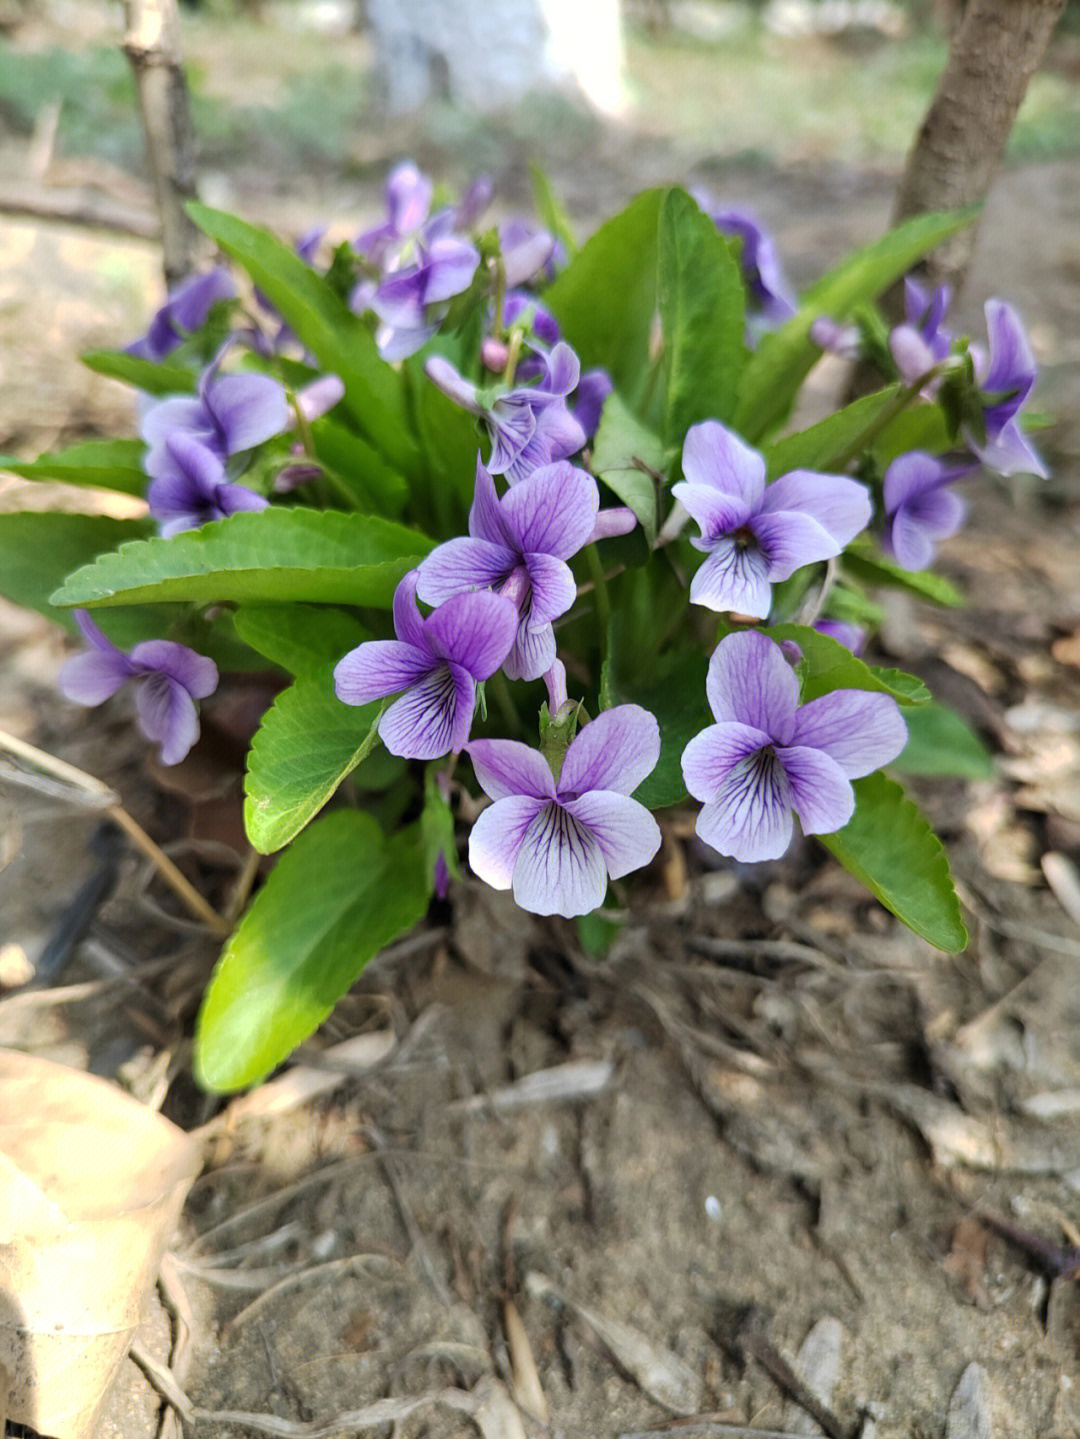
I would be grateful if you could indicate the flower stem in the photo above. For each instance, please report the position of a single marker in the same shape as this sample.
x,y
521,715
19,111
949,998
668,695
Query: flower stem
x,y
884,418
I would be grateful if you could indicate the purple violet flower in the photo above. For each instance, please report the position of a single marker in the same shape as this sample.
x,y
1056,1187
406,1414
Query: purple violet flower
x,y
444,267
764,276
191,437
920,509
437,662
768,756
1006,379
530,426
556,843
185,310
756,534
408,202
845,341
171,678
852,637
921,341
520,546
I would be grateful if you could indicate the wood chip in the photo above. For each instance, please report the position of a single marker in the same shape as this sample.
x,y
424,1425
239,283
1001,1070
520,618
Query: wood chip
x,y
969,1408
658,1372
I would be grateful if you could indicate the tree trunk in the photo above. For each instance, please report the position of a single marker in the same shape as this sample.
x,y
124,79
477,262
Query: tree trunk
x,y
995,51
152,45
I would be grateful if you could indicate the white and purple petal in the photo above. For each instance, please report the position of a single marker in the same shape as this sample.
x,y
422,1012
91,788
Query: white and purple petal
x,y
505,766
789,540
616,751
714,455
717,514
858,729
841,506
554,511
408,624
733,577
821,793
711,755
486,519
751,682
533,651
626,832
553,587
431,718
473,630
560,866
442,374
461,565
378,668
750,819
497,836
247,409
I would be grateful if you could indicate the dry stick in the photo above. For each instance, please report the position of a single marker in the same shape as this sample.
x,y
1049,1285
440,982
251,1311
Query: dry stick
x,y
152,45
110,802
77,206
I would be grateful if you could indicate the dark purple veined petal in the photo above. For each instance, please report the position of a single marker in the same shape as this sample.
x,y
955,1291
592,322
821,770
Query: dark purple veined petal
x,y
860,730
533,652
750,819
247,409
506,767
197,673
461,565
750,682
589,398
616,751
431,718
841,506
167,715
553,511
711,755
789,540
821,793
557,435
554,589
717,514
909,475
734,577
626,832
496,838
511,423
713,455
560,866
378,668
486,520
474,631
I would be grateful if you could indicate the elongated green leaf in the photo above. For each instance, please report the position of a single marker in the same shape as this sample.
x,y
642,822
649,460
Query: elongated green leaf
x,y
302,639
333,901
325,325
104,464
320,557
153,377
38,550
784,358
702,307
941,742
831,666
605,299
437,829
889,847
677,699
307,743
821,445
923,427
886,574
359,470
552,213
620,440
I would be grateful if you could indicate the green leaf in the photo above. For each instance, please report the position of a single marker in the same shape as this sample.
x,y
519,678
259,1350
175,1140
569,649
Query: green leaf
x,y
941,742
605,299
325,325
831,666
677,698
318,556
888,845
340,894
38,550
821,445
437,828
302,639
552,213
702,307
620,439
153,377
359,470
886,574
307,743
104,464
785,357
923,427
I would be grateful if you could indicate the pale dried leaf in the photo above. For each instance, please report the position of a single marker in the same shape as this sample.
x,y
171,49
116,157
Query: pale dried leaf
x,y
658,1372
818,1363
576,1080
969,1408
495,1414
90,1188
527,1386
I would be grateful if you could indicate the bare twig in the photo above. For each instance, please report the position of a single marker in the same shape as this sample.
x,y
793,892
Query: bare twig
x,y
373,1416
164,1381
110,802
152,45
77,206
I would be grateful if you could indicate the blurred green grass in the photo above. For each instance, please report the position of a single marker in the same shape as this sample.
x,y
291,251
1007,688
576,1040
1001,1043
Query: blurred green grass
x,y
292,100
